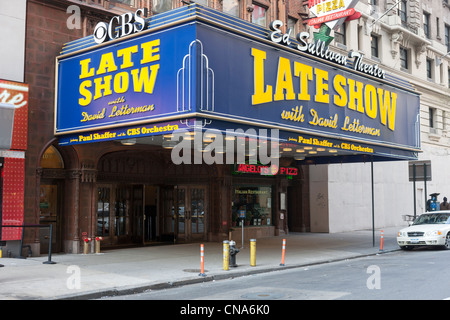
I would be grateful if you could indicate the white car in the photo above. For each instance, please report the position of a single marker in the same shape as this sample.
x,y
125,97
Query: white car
x,y
429,229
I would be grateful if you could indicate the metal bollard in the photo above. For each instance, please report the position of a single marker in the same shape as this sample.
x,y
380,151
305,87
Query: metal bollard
x,y
252,252
86,245
226,255
97,244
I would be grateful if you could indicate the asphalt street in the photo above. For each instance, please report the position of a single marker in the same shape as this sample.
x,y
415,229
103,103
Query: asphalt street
x,y
416,275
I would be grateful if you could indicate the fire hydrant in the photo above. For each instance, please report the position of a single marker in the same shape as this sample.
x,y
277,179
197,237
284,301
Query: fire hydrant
x,y
233,252
97,244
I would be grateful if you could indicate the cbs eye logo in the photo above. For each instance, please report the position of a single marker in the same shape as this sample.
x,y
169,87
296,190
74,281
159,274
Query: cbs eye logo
x,y
120,26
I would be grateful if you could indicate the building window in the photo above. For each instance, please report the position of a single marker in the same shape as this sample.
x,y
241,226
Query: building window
x,y
255,202
103,213
426,24
127,2
52,159
404,58
231,7
448,76
259,15
340,34
429,69
402,12
374,46
447,37
432,115
438,29
292,24
202,2
160,6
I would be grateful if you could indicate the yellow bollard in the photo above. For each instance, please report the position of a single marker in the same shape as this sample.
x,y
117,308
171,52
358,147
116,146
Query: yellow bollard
x,y
97,244
252,252
86,245
226,255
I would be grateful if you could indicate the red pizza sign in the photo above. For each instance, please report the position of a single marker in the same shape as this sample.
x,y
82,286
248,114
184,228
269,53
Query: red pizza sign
x,y
331,12
266,170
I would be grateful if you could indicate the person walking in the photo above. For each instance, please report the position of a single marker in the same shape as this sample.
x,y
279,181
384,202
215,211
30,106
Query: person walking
x,y
445,205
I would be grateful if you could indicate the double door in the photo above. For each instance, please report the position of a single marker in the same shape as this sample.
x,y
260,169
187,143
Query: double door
x,y
132,214
190,213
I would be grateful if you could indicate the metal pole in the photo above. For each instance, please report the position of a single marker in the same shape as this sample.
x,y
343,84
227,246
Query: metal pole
x,y
414,189
385,13
425,182
242,227
21,243
373,205
49,261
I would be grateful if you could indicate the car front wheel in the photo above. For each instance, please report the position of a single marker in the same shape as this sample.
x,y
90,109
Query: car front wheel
x,y
447,242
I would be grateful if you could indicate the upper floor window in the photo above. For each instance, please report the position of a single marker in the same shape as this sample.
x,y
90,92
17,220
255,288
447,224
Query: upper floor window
x,y
429,69
402,12
259,15
340,34
202,2
160,6
447,37
374,46
426,24
404,63
448,75
231,7
127,2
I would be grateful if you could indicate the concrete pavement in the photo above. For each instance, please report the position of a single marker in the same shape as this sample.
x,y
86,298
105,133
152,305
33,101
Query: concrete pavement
x,y
132,270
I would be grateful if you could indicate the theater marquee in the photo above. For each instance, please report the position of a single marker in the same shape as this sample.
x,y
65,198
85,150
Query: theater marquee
x,y
204,65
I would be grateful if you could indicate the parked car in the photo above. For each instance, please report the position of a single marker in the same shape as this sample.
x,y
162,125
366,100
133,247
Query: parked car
x,y
429,229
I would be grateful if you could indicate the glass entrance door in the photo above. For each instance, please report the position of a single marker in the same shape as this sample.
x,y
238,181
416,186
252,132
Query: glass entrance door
x,y
191,213
49,208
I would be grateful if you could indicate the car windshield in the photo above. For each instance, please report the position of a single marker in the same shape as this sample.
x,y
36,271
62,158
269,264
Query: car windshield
x,y
434,218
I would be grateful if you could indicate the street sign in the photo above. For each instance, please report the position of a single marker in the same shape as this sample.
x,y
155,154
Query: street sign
x,y
421,168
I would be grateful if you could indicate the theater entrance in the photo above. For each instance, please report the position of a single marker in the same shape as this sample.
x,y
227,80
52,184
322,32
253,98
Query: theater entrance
x,y
127,214
190,213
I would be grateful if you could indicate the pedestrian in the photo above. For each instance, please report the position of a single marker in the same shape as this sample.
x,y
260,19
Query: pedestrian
x,y
445,205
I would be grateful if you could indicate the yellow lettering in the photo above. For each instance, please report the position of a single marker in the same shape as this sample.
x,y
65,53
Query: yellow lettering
x,y
126,54
284,81
320,96
144,80
306,73
355,95
107,63
121,82
387,108
370,101
85,71
85,93
262,94
148,51
341,99
319,8
105,86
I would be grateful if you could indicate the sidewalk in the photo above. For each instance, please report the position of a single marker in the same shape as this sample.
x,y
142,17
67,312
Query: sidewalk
x,y
126,271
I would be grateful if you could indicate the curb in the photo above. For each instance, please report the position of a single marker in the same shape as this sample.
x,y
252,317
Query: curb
x,y
115,292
